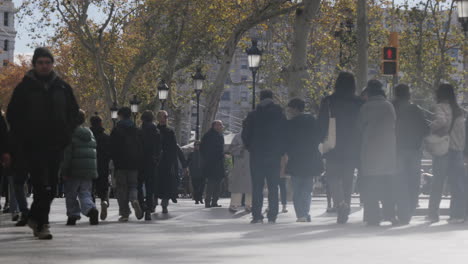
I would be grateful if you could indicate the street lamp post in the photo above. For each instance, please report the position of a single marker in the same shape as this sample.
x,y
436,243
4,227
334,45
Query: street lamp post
x,y
163,92
463,14
134,105
114,112
198,79
254,55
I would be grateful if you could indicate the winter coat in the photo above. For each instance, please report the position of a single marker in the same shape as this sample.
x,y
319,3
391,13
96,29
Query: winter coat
x,y
167,180
126,146
263,134
80,158
3,135
151,140
103,150
194,164
411,126
42,112
443,123
212,151
303,138
239,177
378,143
345,110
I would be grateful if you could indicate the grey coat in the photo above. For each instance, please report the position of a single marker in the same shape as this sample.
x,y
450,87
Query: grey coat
x,y
378,141
239,178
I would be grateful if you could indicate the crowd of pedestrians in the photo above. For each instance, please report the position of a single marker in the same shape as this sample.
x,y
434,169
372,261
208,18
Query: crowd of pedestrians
x,y
44,138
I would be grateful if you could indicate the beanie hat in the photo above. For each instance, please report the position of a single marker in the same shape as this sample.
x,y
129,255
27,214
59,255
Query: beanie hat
x,y
40,53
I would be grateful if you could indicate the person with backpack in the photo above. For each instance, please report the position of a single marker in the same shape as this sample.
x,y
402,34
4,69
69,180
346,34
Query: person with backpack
x,y
411,128
101,184
79,169
151,140
448,122
127,155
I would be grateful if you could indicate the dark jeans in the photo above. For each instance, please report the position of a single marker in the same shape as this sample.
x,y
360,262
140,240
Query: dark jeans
x,y
283,191
44,170
302,195
340,176
101,186
451,166
21,177
148,179
377,189
198,185
406,184
265,168
213,190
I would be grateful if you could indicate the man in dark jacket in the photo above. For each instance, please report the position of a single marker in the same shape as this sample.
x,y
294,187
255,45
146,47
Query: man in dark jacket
x,y
304,159
212,152
167,180
101,184
194,163
411,128
42,114
127,154
263,136
151,140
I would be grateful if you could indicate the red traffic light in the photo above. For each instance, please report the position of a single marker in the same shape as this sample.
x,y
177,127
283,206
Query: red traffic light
x,y
389,53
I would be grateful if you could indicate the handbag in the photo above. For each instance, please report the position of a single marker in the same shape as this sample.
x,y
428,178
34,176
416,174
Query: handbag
x,y
438,145
330,141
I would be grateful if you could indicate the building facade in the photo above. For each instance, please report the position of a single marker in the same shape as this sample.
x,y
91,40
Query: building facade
x,y
7,32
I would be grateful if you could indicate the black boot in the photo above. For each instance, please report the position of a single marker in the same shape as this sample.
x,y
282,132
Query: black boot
x,y
165,211
71,221
93,215
23,220
148,215
343,213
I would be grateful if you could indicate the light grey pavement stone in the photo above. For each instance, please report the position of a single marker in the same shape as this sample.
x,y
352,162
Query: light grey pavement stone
x,y
192,234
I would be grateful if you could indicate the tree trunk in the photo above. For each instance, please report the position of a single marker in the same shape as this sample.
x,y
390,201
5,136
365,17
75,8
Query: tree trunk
x,y
297,71
362,45
465,70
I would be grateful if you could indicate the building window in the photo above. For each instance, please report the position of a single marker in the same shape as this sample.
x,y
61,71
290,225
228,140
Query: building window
x,y
243,78
226,96
244,67
6,17
5,45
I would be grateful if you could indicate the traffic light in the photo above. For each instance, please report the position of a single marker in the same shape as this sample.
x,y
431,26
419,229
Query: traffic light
x,y
390,63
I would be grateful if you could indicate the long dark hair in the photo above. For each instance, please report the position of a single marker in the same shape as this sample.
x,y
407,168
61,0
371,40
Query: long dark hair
x,y
446,92
345,85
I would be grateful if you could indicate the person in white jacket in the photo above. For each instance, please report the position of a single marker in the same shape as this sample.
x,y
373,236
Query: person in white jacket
x,y
449,119
239,179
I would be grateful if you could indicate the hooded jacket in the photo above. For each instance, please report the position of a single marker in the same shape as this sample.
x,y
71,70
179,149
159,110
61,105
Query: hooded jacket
x,y
126,146
42,112
80,159
263,134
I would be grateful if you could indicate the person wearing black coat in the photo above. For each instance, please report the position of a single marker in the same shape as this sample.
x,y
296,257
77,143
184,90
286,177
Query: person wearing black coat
x,y
151,140
167,181
304,159
101,184
341,162
194,163
127,155
411,128
212,153
42,114
263,136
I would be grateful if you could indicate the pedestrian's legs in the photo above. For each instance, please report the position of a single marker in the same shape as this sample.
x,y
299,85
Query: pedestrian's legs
x,y
302,195
209,192
258,182
296,184
457,179
122,192
371,199
71,188
414,179
439,167
19,183
272,171
164,202
84,194
236,200
283,191
149,185
216,191
198,188
14,209
132,181
140,194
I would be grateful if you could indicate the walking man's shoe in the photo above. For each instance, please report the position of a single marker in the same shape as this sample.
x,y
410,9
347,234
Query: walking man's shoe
x,y
104,206
164,210
256,221
43,233
71,221
33,225
93,215
137,208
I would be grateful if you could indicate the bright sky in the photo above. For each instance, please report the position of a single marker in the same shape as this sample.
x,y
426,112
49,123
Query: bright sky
x,y
22,39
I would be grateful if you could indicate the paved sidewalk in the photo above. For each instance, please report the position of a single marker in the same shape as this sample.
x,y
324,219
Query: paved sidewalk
x,y
193,234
